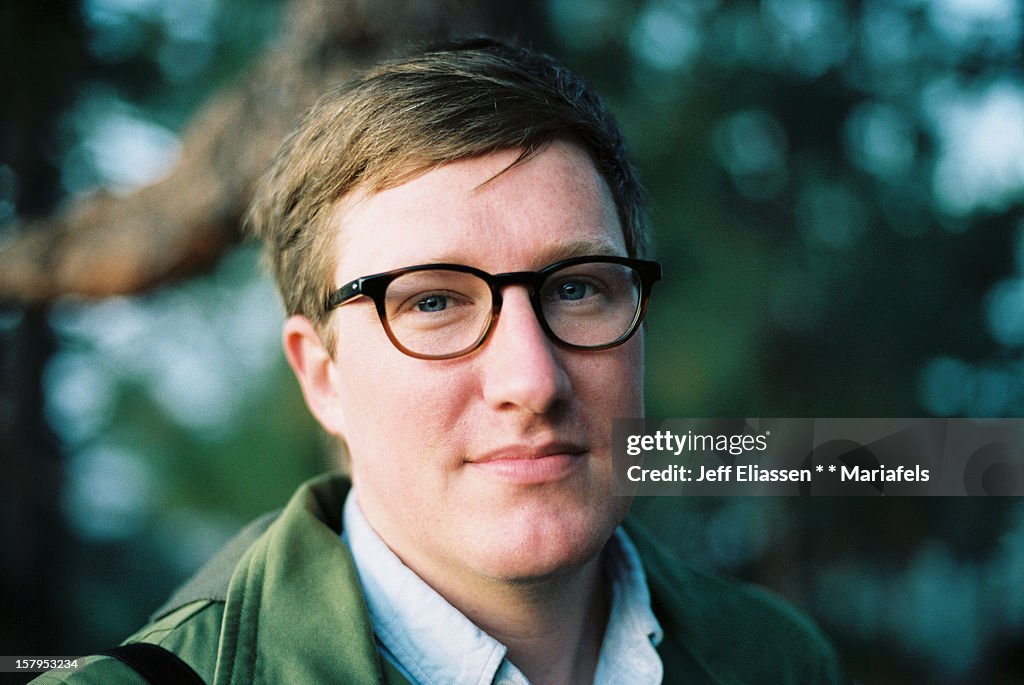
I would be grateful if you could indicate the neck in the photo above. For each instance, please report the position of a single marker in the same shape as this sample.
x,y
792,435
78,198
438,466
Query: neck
x,y
552,627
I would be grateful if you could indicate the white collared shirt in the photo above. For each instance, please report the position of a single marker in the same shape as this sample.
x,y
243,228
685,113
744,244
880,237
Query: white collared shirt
x,y
433,643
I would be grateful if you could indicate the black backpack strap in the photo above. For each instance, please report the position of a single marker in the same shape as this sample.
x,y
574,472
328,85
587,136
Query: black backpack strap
x,y
156,664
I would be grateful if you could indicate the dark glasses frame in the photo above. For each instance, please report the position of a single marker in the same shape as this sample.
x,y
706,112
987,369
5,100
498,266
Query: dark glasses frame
x,y
375,286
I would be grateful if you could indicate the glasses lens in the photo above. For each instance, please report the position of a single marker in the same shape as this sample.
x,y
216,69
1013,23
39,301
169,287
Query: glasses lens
x,y
437,312
591,304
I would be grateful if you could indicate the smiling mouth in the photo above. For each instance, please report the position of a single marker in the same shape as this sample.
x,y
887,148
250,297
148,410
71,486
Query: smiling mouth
x,y
522,465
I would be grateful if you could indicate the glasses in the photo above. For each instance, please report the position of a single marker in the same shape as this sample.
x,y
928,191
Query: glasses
x,y
440,311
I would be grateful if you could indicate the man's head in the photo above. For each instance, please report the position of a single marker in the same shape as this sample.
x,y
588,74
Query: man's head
x,y
472,461
411,115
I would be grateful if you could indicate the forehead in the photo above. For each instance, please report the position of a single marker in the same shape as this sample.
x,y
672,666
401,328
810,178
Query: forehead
x,y
484,212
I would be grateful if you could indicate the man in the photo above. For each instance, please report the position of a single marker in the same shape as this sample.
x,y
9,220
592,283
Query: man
x,y
459,240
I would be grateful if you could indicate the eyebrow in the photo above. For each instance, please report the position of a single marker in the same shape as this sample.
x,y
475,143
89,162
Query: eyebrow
x,y
579,247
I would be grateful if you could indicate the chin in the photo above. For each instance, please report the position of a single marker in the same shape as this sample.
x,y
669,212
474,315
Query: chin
x,y
527,551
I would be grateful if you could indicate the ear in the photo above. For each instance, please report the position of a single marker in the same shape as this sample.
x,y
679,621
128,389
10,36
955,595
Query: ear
x,y
316,371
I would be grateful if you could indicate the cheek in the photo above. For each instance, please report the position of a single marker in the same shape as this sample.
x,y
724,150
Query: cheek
x,y
609,384
397,411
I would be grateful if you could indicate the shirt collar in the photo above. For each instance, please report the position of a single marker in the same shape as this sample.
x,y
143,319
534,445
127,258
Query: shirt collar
x,y
628,653
432,642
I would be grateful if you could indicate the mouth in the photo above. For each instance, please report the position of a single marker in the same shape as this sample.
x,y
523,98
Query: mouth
x,y
531,465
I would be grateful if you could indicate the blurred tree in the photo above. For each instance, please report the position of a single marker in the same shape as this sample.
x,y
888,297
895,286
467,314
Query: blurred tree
x,y
37,86
105,245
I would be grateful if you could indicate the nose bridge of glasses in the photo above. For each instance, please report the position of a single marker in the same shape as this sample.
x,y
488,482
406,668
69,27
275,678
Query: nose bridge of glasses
x,y
526,314
531,280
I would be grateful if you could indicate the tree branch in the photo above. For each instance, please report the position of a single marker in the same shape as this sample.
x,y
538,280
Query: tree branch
x,y
105,245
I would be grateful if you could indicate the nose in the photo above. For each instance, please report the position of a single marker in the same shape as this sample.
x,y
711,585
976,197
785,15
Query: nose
x,y
522,369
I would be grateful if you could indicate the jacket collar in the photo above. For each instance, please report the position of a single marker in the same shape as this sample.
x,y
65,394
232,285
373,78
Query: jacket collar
x,y
297,563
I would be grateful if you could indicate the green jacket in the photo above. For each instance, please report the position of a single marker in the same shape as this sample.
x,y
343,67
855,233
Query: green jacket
x,y
282,604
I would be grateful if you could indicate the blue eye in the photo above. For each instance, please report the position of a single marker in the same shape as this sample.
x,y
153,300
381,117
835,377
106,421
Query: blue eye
x,y
573,290
432,303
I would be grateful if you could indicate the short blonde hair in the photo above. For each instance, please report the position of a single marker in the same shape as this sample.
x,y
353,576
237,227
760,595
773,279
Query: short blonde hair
x,y
405,117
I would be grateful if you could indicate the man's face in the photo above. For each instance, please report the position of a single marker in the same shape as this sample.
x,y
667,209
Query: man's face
x,y
497,463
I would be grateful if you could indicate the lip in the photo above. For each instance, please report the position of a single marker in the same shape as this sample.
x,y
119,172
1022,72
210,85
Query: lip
x,y
530,465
